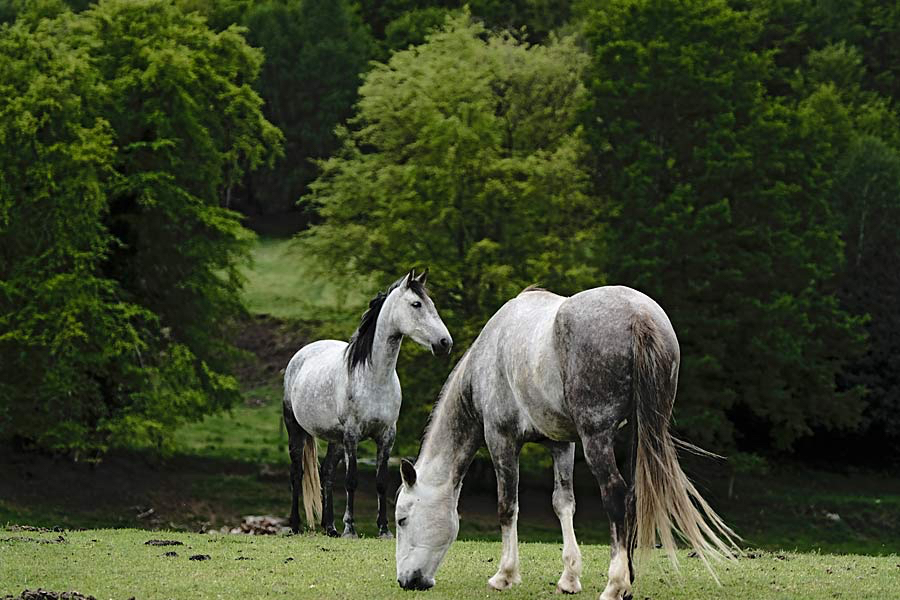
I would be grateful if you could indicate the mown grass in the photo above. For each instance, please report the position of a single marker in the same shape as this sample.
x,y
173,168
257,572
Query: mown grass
x,y
117,564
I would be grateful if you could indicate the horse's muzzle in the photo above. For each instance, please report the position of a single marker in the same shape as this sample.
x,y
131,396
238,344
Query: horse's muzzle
x,y
442,347
415,581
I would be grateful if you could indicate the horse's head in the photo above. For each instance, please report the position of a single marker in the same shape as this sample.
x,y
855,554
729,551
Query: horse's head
x,y
414,314
427,523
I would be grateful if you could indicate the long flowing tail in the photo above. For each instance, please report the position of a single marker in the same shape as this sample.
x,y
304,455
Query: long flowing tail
x,y
311,486
666,500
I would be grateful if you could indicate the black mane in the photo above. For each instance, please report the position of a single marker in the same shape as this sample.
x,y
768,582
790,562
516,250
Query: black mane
x,y
359,350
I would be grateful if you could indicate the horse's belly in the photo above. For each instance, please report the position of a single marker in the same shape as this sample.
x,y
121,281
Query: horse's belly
x,y
536,382
542,408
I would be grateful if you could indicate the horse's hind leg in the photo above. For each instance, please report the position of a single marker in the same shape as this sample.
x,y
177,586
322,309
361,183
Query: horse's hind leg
x,y
505,455
564,506
600,455
332,457
384,443
296,439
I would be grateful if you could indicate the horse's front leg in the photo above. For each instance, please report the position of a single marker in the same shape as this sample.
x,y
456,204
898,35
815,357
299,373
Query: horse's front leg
x,y
505,454
564,506
385,442
351,441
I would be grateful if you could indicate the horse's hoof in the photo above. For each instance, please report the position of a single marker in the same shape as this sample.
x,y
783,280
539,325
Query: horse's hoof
x,y
332,532
385,535
568,587
502,582
350,535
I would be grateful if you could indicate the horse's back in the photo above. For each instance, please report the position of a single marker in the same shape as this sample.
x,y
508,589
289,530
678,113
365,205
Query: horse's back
x,y
558,356
515,370
603,319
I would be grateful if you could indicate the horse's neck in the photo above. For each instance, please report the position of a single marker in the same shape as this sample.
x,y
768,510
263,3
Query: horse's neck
x,y
453,437
386,344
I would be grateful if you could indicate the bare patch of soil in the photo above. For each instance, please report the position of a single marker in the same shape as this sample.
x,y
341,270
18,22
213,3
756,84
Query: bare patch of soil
x,y
163,543
15,527
57,540
40,594
272,342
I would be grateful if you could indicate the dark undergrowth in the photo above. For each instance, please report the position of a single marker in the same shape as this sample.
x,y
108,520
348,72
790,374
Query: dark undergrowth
x,y
791,508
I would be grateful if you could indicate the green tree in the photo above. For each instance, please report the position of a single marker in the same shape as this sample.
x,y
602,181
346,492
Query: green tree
x,y
463,157
65,334
315,52
721,195
168,106
867,194
399,23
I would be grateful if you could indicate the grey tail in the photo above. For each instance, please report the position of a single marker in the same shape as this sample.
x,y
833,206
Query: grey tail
x,y
667,503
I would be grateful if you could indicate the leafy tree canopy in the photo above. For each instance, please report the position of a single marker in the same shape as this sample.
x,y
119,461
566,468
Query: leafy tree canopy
x,y
721,195
463,157
120,129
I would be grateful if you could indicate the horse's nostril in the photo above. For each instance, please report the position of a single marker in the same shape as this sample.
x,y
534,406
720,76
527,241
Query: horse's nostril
x,y
445,342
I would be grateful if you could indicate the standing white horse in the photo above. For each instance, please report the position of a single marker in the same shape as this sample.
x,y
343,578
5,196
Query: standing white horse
x,y
558,370
344,393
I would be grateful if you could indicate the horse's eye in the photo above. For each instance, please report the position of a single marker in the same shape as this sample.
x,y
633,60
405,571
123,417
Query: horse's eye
x,y
401,522
417,304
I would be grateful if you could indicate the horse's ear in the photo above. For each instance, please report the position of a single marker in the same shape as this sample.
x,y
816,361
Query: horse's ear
x,y
407,473
422,276
410,276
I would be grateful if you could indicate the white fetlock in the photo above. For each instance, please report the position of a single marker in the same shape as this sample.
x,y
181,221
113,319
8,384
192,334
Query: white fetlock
x,y
568,584
619,585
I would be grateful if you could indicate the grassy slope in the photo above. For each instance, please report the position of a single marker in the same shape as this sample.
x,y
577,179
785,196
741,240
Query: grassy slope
x,y
281,282
116,563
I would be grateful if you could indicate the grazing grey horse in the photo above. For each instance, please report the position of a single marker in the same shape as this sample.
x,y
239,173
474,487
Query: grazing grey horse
x,y
344,393
557,370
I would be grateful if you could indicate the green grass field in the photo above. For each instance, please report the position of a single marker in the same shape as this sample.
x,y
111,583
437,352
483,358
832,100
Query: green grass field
x,y
117,564
283,283
235,463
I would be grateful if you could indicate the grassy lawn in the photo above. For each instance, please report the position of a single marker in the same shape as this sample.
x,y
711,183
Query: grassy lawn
x,y
841,530
117,564
281,282
252,432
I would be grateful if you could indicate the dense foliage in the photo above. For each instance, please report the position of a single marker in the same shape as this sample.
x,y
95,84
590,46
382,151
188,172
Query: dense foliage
x,y
315,53
722,215
739,161
458,149
122,127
